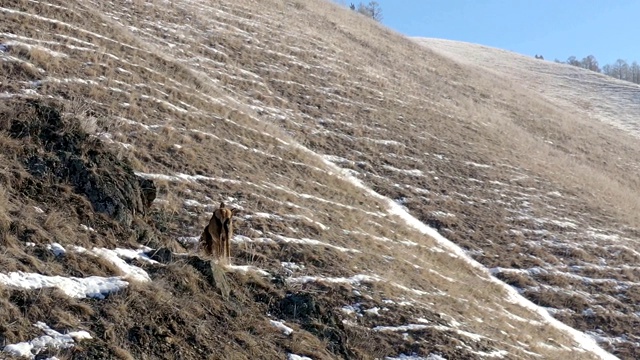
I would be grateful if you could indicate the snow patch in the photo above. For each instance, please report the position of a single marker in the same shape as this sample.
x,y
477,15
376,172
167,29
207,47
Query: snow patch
x,y
52,340
248,268
130,272
282,327
373,311
291,266
412,172
297,357
86,228
92,286
484,166
190,240
354,280
415,357
314,243
403,328
56,249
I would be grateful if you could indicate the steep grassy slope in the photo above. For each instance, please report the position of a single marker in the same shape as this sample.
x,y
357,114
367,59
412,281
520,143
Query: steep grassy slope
x,y
594,282
270,106
589,93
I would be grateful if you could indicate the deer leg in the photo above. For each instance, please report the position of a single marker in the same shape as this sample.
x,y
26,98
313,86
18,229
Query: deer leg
x,y
218,248
208,242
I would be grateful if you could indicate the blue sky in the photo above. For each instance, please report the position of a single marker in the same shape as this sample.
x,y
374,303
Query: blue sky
x,y
609,30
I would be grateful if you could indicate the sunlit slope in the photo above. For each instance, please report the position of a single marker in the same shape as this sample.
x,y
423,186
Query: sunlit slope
x,y
337,140
584,92
592,119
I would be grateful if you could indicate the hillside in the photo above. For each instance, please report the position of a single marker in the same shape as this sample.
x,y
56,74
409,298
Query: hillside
x,y
382,190
588,93
587,101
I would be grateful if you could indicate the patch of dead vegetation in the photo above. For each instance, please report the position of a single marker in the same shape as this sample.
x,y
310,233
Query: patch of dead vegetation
x,y
234,87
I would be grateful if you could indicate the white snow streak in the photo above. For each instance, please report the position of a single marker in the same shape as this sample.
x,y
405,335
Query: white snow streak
x,y
92,286
52,340
512,295
281,326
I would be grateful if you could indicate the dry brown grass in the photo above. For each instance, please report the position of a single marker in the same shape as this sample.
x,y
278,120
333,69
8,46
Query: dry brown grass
x,y
313,74
5,219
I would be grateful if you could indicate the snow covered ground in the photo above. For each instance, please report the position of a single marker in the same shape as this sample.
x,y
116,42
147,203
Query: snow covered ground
x,y
52,340
92,286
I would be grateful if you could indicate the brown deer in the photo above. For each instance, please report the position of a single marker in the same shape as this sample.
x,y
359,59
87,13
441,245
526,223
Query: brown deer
x,y
218,233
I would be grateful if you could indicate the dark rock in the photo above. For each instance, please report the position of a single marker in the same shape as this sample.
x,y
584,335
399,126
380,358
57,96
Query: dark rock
x,y
161,255
317,318
149,191
299,306
72,156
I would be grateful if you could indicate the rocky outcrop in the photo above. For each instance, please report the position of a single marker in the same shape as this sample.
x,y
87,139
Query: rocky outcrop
x,y
59,151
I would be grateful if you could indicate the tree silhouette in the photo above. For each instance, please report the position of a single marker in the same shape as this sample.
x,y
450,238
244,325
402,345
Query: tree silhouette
x,y
372,10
